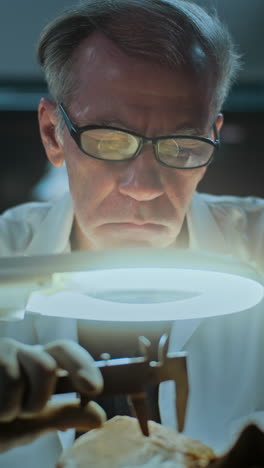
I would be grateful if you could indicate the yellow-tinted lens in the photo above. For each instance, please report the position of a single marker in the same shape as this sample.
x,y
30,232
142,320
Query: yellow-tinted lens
x,y
109,144
184,152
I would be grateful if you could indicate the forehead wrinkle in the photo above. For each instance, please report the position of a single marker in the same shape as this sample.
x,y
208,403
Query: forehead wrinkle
x,y
140,125
180,130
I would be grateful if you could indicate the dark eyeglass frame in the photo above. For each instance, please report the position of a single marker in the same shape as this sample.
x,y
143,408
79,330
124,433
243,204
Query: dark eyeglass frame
x,y
76,132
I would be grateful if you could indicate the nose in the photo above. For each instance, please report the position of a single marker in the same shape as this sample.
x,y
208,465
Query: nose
x,y
141,178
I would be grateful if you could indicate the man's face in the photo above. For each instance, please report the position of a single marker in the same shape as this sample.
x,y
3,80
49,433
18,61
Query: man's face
x,y
138,202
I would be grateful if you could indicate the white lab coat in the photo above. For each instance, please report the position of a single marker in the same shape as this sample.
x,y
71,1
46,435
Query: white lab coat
x,y
225,353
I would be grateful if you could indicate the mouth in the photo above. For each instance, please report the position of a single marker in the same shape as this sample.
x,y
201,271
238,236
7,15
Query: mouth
x,y
132,226
132,234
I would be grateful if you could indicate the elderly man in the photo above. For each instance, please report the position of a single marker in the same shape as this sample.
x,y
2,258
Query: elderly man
x,y
136,90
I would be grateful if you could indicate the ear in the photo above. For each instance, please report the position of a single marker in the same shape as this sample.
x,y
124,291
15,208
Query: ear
x,y
219,122
47,125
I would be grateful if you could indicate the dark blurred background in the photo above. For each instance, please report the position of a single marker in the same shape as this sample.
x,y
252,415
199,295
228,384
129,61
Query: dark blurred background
x,y
239,166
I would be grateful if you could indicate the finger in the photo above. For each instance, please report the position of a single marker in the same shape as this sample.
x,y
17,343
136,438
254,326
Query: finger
x,y
72,414
11,384
53,417
80,365
39,369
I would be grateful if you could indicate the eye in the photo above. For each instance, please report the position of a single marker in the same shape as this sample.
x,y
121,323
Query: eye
x,y
168,147
109,144
123,143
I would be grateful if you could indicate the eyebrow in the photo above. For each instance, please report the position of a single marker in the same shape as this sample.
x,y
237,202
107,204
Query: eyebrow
x,y
183,130
192,131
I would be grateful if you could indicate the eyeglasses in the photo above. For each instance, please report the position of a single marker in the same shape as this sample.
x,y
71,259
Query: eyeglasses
x,y
115,144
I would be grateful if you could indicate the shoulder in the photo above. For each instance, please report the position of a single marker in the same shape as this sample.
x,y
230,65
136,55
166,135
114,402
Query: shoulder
x,y
231,201
233,207
241,222
19,224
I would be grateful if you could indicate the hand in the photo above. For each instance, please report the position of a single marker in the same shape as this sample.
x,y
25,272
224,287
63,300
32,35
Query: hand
x,y
28,376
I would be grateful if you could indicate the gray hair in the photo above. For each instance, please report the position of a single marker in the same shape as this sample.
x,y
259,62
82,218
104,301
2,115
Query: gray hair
x,y
159,30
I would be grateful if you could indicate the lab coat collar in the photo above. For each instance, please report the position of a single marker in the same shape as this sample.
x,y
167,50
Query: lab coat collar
x,y
204,233
53,233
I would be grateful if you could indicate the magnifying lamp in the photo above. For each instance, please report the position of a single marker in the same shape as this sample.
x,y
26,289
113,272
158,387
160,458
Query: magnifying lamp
x,y
128,285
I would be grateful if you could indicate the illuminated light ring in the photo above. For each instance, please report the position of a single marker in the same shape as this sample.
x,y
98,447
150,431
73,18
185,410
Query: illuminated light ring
x,y
223,285
110,295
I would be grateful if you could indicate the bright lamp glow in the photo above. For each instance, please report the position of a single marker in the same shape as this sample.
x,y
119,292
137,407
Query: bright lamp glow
x,y
148,294
127,285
